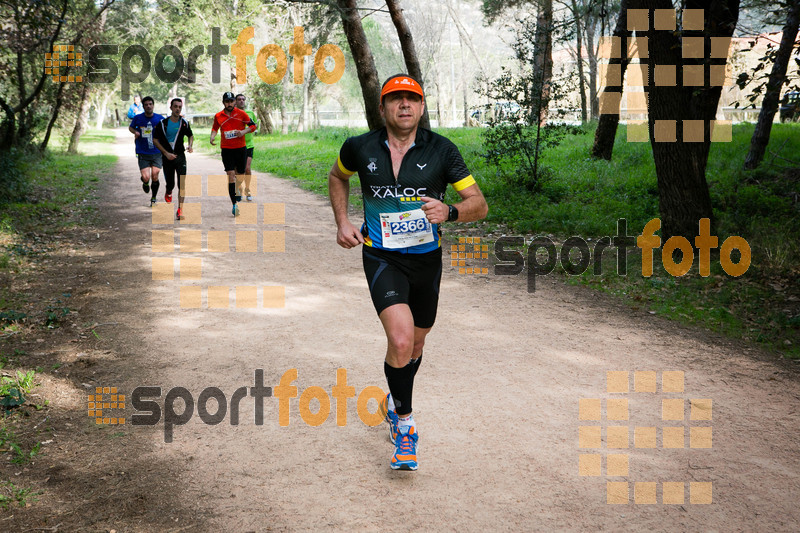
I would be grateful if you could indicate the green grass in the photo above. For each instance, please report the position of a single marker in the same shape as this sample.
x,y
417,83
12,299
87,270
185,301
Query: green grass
x,y
586,197
60,188
60,194
11,494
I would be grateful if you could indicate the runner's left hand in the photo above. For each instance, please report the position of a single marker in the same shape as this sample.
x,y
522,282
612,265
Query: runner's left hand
x,y
435,211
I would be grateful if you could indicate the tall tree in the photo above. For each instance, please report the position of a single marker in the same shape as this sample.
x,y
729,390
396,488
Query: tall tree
x,y
409,50
365,64
577,15
678,115
27,33
465,38
543,58
606,130
594,19
82,118
543,44
317,34
777,78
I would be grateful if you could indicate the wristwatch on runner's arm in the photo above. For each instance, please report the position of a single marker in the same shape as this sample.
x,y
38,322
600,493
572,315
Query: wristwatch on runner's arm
x,y
452,216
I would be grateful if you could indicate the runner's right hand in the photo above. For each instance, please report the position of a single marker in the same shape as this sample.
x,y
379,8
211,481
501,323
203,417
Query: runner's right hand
x,y
348,236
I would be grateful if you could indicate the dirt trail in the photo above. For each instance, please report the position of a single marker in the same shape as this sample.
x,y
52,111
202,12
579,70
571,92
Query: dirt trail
x,y
497,397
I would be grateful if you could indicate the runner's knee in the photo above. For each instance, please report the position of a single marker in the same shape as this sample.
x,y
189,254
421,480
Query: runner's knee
x,y
402,344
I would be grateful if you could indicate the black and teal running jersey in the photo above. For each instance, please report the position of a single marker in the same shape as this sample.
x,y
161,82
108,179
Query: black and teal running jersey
x,y
429,165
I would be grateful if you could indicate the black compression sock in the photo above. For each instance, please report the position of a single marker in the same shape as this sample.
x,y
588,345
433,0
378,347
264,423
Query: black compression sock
x,y
232,192
401,384
154,188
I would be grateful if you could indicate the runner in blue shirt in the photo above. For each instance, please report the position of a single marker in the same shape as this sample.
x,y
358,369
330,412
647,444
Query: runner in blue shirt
x,y
149,156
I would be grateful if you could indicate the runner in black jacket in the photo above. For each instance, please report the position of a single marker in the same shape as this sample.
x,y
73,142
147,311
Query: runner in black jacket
x,y
168,137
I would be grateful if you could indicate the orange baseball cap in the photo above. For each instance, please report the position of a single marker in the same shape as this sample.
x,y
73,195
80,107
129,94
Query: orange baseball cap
x,y
401,83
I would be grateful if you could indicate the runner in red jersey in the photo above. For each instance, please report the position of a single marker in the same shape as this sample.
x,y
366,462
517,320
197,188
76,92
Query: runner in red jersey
x,y
234,124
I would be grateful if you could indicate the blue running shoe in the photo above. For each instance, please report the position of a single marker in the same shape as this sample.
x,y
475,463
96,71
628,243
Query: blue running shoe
x,y
405,455
391,417
235,210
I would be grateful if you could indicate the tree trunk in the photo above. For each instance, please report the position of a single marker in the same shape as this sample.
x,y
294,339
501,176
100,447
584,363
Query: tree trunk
x,y
594,101
264,118
81,120
315,122
462,32
8,126
310,99
365,64
284,107
54,115
438,84
543,57
301,118
464,95
263,111
680,165
409,51
758,144
101,115
579,43
606,130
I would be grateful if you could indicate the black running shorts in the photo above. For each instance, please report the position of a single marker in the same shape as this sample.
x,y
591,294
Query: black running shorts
x,y
234,159
250,153
149,160
172,168
398,278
